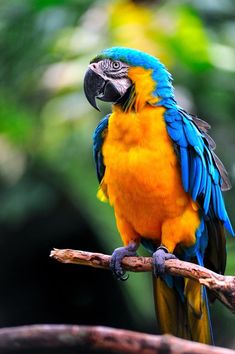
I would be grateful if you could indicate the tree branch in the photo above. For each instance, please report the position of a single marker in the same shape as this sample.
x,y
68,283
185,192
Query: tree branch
x,y
223,287
92,337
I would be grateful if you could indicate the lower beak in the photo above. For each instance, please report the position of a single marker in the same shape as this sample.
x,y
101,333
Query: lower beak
x,y
97,87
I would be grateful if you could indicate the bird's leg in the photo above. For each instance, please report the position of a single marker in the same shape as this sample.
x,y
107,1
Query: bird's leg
x,y
159,258
117,257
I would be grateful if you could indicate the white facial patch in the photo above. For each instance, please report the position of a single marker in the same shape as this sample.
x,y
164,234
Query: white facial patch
x,y
113,71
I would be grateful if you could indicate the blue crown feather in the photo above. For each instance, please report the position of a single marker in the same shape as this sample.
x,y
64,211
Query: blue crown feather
x,y
133,57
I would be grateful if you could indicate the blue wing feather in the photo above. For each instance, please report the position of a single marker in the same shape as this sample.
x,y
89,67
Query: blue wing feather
x,y
185,170
192,168
197,180
203,181
98,138
207,194
200,175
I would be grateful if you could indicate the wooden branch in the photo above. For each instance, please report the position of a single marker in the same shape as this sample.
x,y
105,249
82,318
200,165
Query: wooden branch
x,y
92,337
223,287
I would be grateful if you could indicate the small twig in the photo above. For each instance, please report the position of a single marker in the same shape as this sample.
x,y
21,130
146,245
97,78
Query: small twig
x,y
92,337
222,286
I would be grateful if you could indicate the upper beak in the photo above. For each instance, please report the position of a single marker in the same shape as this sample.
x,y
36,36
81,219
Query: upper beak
x,y
93,86
97,87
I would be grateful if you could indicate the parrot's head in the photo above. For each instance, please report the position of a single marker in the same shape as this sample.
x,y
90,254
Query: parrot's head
x,y
127,77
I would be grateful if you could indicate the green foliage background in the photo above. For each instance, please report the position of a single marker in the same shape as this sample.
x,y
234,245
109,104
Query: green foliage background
x,y
46,124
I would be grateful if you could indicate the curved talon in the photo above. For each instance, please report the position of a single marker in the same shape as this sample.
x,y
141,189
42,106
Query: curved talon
x,y
124,277
117,257
159,258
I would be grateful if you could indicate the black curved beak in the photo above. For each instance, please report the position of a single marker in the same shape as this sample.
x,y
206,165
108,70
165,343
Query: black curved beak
x,y
97,87
93,87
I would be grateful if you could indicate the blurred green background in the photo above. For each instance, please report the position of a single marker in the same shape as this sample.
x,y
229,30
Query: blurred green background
x,y
47,176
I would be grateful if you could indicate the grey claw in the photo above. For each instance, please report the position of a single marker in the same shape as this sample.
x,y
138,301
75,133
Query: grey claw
x,y
159,258
117,257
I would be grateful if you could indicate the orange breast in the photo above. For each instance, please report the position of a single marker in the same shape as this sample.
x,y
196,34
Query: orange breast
x,y
143,180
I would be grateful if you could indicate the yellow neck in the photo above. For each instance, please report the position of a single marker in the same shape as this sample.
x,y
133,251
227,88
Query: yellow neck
x,y
144,88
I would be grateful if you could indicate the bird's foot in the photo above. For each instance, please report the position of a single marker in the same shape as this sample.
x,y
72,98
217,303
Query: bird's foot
x,y
117,257
159,258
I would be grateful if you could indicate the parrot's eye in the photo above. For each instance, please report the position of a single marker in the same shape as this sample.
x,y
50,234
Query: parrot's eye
x,y
116,65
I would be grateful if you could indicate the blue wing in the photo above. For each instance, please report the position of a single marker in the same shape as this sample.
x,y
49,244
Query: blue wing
x,y
203,174
98,138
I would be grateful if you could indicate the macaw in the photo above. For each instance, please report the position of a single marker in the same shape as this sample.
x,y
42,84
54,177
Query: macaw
x,y
157,167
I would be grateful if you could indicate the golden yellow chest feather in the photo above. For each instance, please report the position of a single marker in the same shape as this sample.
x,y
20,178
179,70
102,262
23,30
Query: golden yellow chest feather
x,y
143,180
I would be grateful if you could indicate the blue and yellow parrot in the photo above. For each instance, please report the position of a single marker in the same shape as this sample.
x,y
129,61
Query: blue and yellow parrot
x,y
157,167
